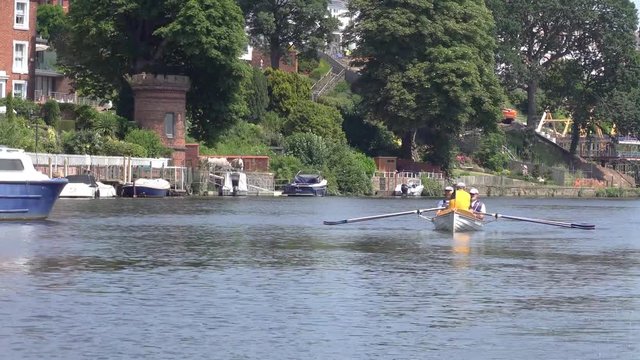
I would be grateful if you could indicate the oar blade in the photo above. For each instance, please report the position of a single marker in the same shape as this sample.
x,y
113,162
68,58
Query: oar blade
x,y
337,222
583,226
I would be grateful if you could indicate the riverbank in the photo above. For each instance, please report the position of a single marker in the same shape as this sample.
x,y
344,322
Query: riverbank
x,y
557,191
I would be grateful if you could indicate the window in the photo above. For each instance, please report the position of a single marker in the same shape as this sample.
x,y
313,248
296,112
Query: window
x,y
169,124
19,89
3,88
21,20
20,57
11,165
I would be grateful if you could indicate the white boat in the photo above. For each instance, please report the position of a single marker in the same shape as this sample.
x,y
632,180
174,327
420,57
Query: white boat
x,y
25,193
234,183
456,220
413,187
146,188
85,186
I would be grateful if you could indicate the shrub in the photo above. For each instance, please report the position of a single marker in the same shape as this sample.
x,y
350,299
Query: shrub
x,y
150,141
114,147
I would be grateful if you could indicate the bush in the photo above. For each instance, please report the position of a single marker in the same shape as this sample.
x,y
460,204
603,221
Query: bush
x,y
490,154
311,149
121,148
150,141
321,120
285,166
242,138
323,68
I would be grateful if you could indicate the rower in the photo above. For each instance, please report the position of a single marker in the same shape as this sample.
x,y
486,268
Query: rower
x,y
460,198
477,206
448,191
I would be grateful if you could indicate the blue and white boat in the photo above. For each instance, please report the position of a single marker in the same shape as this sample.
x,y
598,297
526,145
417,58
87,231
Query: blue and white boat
x,y
25,193
306,185
146,188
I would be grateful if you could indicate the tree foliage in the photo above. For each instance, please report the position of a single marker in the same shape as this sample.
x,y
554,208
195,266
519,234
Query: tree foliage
x,y
426,65
286,90
257,95
277,25
535,35
318,119
50,20
203,39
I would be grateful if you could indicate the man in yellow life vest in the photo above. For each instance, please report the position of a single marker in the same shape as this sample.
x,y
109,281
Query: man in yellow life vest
x,y
461,198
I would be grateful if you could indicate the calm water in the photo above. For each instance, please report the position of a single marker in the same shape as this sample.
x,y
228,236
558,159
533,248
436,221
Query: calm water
x,y
262,278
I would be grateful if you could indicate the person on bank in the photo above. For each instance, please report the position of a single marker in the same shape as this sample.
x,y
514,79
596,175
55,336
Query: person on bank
x,y
444,203
477,206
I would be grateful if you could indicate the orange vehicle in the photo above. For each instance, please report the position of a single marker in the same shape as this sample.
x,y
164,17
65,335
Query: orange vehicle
x,y
508,115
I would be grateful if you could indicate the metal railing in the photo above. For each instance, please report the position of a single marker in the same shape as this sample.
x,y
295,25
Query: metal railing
x,y
42,96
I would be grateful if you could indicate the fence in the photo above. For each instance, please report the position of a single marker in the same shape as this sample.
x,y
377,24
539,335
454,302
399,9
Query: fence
x,y
114,169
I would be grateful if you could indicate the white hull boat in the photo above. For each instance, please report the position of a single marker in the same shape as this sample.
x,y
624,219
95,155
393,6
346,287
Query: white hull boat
x,y
85,186
413,188
455,220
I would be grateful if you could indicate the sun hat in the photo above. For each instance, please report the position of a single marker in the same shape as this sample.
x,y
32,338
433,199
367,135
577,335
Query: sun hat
x,y
461,185
473,191
448,188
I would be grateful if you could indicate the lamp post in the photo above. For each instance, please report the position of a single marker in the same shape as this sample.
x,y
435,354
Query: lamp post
x,y
34,120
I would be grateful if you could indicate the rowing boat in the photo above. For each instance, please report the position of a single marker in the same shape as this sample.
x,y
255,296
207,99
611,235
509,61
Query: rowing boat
x,y
456,220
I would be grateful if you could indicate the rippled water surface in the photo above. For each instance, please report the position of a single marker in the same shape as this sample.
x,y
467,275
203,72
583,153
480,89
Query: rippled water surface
x,y
262,278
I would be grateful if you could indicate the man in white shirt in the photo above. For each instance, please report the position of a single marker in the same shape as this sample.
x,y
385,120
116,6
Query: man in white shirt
x,y
477,206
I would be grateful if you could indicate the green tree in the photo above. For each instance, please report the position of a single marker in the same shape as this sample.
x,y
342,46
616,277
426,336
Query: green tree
x,y
286,90
277,25
52,114
51,20
535,35
318,119
203,39
586,85
427,65
257,95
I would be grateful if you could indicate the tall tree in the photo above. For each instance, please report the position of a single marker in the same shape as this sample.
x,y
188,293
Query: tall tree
x,y
585,80
103,41
427,65
276,25
535,35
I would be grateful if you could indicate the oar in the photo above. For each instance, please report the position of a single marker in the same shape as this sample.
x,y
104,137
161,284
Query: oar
x,y
382,216
581,226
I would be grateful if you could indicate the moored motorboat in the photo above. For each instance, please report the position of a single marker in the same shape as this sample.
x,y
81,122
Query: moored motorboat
x,y
83,186
234,183
456,220
306,185
413,187
25,193
146,188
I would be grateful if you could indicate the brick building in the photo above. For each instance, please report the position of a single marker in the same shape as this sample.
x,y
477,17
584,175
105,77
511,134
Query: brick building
x,y
27,64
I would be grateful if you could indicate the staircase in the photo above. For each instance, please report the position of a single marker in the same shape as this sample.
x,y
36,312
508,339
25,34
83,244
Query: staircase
x,y
326,83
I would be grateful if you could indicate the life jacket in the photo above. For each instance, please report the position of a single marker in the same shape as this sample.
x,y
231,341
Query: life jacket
x,y
461,200
476,205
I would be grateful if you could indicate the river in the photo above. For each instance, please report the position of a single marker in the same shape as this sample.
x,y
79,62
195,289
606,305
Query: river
x,y
263,278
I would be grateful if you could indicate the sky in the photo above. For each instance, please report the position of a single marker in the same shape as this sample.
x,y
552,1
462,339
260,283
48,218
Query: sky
x,y
637,3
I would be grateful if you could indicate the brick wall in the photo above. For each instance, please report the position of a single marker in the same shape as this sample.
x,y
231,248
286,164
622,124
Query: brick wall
x,y
8,35
262,60
154,97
